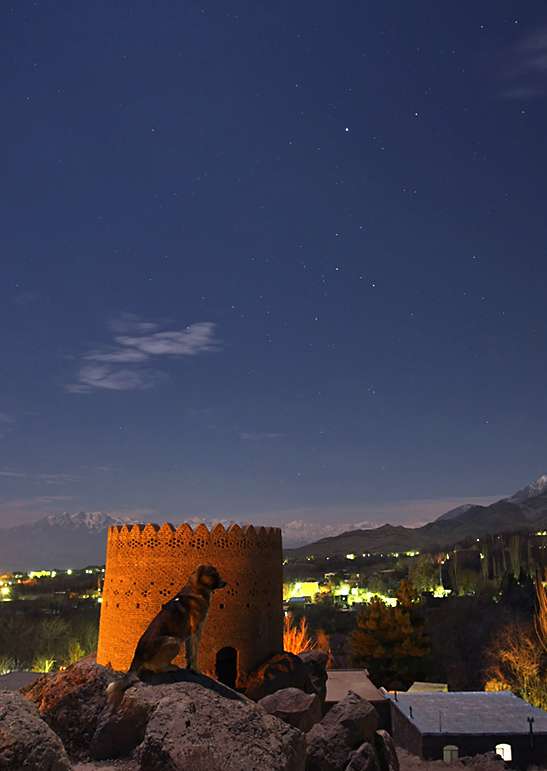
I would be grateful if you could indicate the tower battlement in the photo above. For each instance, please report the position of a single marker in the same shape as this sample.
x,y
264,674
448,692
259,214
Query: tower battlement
x,y
147,564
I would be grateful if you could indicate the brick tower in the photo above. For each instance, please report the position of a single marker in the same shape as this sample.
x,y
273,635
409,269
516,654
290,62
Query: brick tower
x,y
148,564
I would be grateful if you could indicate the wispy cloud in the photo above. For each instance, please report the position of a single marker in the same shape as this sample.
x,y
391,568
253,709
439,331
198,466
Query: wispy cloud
x,y
7,423
526,73
120,366
259,436
49,479
16,511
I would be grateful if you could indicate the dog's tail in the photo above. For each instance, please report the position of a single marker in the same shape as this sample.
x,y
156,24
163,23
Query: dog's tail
x,y
116,690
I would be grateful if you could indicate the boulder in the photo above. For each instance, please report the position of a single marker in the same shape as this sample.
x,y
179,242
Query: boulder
x,y
293,706
193,727
364,758
344,728
316,663
119,731
71,702
283,670
385,749
27,743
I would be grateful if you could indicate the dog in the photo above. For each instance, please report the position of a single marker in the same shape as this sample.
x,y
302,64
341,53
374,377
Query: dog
x,y
180,620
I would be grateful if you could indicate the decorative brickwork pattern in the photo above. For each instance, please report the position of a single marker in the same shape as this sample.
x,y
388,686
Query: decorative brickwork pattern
x,y
148,564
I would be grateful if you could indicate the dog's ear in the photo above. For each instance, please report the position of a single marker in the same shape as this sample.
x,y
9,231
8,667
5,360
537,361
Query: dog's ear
x,y
201,572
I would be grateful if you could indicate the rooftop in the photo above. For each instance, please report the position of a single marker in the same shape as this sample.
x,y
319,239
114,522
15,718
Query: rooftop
x,y
472,712
13,681
341,681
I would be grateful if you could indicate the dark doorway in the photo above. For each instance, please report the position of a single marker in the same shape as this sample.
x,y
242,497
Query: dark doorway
x,y
226,666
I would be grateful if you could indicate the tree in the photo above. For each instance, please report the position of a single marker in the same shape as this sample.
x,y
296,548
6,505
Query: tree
x,y
296,636
515,662
43,664
424,573
407,595
52,635
389,643
540,619
75,652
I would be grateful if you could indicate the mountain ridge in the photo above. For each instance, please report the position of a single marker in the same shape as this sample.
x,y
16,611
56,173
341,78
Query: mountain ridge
x,y
76,539
526,509
64,540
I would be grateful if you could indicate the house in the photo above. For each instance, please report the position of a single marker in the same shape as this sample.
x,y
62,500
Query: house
x,y
13,681
446,726
420,687
341,681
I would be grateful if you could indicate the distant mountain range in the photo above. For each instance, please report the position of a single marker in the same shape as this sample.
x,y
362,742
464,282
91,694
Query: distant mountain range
x,y
74,540
525,510
68,540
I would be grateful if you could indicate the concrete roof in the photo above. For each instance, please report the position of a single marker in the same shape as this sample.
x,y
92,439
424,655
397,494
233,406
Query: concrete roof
x,y
470,712
341,681
421,687
13,681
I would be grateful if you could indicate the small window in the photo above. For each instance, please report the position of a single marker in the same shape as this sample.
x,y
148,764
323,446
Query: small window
x,y
450,753
504,751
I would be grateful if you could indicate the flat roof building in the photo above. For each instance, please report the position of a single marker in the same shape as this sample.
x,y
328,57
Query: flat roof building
x,y
439,725
341,681
13,681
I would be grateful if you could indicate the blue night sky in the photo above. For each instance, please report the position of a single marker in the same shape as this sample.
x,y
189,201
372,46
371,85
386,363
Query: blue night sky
x,y
279,262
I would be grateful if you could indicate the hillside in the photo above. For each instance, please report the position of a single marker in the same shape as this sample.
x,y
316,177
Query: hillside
x,y
526,510
68,540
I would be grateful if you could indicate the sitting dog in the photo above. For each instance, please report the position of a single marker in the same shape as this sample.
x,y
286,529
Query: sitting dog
x,y
179,620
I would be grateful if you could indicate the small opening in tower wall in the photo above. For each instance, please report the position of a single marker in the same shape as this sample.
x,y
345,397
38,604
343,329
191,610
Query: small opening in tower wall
x,y
226,666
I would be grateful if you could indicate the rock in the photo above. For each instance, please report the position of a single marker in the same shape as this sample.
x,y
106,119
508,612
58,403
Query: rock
x,y
283,670
121,730
344,728
356,715
26,741
364,758
193,727
293,706
316,663
71,702
385,749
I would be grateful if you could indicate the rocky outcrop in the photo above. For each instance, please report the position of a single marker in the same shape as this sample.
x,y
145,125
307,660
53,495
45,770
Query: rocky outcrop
x,y
316,664
344,728
283,670
364,758
26,741
182,720
72,701
293,706
119,731
193,727
385,748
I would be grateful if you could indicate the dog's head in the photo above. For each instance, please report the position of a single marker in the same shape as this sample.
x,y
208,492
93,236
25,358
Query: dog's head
x,y
209,577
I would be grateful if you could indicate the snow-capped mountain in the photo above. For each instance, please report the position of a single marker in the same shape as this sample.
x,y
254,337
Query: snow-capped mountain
x,y
65,540
525,511
535,488
453,513
92,520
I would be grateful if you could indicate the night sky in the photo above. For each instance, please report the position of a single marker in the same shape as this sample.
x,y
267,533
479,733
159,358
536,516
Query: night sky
x,y
280,262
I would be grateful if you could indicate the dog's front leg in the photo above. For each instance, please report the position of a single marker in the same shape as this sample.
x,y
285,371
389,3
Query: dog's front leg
x,y
196,638
189,651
